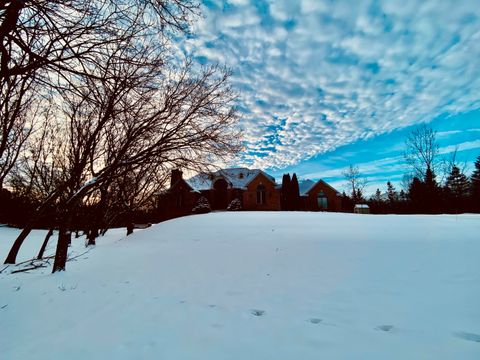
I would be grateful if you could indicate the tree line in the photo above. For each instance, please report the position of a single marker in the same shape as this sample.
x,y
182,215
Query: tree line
x,y
423,192
97,106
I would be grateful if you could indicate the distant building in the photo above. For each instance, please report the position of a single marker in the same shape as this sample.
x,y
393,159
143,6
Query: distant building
x,y
255,189
319,196
361,209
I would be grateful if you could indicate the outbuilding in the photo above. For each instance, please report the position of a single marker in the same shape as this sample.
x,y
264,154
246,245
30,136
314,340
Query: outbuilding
x,y
361,209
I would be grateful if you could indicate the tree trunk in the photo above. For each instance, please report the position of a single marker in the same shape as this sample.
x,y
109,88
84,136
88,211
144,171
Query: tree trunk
x,y
92,235
12,255
129,228
64,239
44,245
62,250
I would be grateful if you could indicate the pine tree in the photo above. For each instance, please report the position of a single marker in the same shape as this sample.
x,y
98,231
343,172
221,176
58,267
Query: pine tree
x,y
358,197
457,183
432,192
416,195
456,190
295,193
391,193
347,203
475,186
376,203
285,193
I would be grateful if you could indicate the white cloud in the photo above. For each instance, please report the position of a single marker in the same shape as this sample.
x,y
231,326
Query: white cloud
x,y
316,75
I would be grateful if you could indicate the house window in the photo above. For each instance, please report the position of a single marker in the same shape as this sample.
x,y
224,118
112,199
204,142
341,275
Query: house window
x,y
322,201
261,194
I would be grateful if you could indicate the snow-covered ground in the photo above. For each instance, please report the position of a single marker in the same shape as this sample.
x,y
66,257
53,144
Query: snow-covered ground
x,y
254,286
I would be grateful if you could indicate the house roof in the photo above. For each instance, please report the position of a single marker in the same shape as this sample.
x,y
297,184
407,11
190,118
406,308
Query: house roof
x,y
361,206
237,178
307,185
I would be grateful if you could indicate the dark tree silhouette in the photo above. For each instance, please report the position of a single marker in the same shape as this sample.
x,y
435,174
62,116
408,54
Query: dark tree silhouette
x,y
355,183
285,193
125,107
421,150
294,193
475,186
456,190
432,191
416,195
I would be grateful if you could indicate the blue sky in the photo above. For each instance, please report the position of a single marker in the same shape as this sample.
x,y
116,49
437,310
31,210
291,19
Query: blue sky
x,y
323,84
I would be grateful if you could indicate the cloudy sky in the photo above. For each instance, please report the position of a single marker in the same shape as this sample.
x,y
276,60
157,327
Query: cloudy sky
x,y
323,84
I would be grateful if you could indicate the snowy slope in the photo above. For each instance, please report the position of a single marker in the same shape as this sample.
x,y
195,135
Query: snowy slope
x,y
255,286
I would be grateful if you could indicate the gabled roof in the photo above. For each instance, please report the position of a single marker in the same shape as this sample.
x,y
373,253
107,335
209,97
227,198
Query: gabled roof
x,y
304,186
237,178
179,182
312,184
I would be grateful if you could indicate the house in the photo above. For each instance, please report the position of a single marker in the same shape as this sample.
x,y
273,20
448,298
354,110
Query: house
x,y
255,189
319,196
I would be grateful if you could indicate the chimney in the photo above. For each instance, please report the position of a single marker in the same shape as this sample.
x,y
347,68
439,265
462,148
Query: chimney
x,y
175,177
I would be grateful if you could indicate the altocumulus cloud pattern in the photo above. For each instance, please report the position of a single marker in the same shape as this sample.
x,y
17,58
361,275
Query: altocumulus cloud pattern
x,y
314,75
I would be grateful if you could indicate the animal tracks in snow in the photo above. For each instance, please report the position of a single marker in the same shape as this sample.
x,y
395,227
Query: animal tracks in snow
x,y
256,312
386,328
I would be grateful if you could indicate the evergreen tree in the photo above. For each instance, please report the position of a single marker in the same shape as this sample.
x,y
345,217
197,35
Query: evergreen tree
x,y
456,190
475,186
358,196
432,192
376,203
391,193
285,193
347,203
402,202
295,193
416,195
202,206
235,205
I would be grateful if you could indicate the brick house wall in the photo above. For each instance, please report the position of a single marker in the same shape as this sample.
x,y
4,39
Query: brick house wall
x,y
272,195
334,202
178,201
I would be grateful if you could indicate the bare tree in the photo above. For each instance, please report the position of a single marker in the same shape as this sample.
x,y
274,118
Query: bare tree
x,y
421,150
355,182
48,45
17,115
125,106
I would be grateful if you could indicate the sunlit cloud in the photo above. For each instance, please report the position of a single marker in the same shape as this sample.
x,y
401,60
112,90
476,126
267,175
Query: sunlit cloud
x,y
315,75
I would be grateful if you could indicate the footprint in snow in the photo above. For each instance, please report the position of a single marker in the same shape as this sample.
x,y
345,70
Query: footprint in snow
x,y
211,306
468,336
315,320
257,312
386,328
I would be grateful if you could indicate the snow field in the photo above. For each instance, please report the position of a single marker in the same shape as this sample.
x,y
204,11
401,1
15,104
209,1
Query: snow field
x,y
254,285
